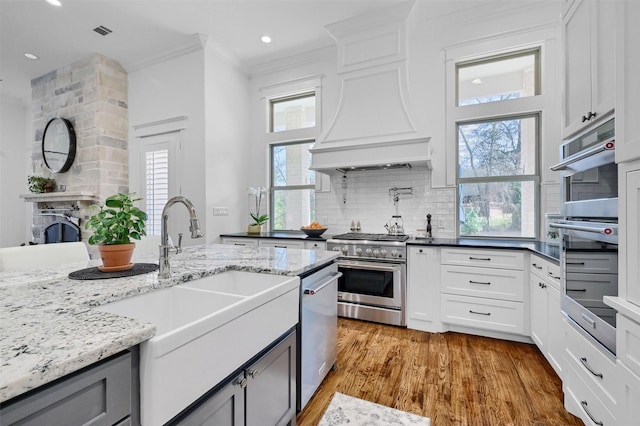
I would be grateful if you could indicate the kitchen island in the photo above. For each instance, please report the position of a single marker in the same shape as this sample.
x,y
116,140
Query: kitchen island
x,y
50,330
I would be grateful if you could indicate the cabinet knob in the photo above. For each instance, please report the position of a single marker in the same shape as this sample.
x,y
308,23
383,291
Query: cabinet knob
x,y
254,373
242,382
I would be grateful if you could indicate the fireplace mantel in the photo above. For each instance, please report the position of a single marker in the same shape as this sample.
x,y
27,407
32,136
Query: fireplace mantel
x,y
60,197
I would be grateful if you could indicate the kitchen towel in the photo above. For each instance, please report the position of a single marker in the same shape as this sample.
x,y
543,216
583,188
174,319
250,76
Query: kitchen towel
x,y
345,409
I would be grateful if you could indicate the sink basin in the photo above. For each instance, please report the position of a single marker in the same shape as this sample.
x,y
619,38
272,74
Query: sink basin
x,y
206,330
171,308
238,283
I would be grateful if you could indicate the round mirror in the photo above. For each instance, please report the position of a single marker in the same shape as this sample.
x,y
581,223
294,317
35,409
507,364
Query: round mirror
x,y
59,145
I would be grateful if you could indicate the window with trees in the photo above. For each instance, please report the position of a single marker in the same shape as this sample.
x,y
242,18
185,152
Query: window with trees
x,y
292,186
497,146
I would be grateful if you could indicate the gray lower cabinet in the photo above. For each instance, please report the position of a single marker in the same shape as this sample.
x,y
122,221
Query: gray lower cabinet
x,y
263,393
99,395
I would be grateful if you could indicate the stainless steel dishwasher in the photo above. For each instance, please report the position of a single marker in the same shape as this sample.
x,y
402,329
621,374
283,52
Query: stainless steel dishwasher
x,y
318,330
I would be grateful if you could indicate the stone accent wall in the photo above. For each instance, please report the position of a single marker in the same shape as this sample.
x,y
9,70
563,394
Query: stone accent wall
x,y
93,95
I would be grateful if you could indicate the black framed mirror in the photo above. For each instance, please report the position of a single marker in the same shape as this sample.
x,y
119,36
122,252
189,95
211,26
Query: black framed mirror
x,y
59,145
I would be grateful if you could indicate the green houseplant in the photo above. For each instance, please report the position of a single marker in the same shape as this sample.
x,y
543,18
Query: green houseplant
x,y
40,185
115,225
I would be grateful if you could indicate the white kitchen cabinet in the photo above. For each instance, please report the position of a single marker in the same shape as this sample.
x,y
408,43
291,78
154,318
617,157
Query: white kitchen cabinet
x,y
629,212
590,376
589,71
423,288
627,56
315,245
546,317
243,242
485,291
270,242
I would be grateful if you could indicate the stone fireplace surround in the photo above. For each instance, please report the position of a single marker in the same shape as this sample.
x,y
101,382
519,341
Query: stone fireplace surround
x,y
93,95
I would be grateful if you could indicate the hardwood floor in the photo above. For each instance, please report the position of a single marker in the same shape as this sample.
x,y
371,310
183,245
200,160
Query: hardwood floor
x,y
453,378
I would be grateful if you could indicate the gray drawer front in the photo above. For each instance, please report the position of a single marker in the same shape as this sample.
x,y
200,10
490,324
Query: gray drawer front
x,y
98,396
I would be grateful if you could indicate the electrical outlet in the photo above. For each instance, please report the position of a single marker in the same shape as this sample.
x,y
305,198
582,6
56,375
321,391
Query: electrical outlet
x,y
221,211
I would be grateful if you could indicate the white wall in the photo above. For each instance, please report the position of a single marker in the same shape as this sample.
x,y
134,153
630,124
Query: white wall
x,y
229,170
435,26
15,138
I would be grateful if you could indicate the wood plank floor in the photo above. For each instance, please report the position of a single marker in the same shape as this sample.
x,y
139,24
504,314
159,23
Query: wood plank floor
x,y
453,378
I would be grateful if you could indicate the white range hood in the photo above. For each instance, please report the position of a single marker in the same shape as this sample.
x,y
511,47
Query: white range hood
x,y
373,126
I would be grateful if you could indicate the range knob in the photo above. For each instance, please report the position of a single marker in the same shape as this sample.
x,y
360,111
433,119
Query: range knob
x,y
345,250
394,253
376,253
336,249
368,252
359,251
383,253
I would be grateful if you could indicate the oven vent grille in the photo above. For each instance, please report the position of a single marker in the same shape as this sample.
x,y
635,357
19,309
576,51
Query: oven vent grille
x,y
102,30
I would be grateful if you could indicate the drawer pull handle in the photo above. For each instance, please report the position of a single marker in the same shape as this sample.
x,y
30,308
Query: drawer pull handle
x,y
574,263
577,289
590,320
552,276
479,282
479,258
584,362
480,313
284,247
535,265
239,244
586,410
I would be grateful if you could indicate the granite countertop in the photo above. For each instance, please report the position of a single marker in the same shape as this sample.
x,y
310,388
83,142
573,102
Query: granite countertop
x,y
550,251
49,329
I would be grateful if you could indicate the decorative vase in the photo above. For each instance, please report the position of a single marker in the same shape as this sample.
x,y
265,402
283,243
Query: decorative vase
x,y
116,257
254,229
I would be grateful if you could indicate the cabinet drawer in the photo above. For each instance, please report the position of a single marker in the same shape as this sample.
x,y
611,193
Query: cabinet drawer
x,y
594,367
628,343
488,314
503,284
244,242
504,259
545,269
98,395
589,289
592,262
282,243
315,245
581,401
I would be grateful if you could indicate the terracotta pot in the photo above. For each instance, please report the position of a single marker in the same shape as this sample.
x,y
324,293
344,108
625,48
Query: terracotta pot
x,y
254,229
116,257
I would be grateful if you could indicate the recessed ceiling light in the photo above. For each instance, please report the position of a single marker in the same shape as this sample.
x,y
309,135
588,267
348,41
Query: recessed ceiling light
x,y
54,2
265,39
30,56
476,81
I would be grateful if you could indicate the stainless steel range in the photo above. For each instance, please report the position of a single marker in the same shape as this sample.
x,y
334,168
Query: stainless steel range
x,y
373,282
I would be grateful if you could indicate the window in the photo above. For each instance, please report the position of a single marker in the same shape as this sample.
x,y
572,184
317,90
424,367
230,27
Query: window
x,y
497,177
292,112
292,186
157,188
497,145
499,78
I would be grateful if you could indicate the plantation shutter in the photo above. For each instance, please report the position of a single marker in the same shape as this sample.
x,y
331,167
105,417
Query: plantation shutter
x,y
156,187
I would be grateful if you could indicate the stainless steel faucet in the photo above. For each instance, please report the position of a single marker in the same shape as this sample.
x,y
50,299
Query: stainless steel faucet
x,y
194,227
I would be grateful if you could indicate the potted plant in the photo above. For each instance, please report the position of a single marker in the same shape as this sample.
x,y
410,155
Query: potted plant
x,y
40,185
258,219
115,225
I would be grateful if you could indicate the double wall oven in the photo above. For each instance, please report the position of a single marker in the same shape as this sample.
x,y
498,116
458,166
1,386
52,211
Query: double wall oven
x,y
373,282
589,232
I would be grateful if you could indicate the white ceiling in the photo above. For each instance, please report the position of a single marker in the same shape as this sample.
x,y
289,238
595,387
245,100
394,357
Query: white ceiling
x,y
144,29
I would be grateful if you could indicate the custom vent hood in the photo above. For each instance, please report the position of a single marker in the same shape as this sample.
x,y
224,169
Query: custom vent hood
x,y
373,126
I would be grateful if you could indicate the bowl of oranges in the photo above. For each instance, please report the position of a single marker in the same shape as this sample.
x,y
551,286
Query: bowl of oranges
x,y
314,229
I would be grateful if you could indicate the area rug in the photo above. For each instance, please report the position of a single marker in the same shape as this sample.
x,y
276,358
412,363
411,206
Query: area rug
x,y
347,410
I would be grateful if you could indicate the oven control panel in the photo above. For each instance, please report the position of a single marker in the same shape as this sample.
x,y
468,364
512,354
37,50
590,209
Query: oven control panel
x,y
388,251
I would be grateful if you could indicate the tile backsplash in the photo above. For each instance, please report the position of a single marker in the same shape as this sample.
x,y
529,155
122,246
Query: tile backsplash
x,y
368,201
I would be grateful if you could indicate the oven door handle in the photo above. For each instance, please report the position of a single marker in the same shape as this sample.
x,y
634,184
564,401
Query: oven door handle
x,y
604,230
368,267
323,284
605,146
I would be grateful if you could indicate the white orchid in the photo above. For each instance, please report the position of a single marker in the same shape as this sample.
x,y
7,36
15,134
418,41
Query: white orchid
x,y
258,193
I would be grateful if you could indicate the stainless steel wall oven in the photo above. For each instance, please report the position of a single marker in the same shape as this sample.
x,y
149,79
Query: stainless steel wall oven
x,y
589,232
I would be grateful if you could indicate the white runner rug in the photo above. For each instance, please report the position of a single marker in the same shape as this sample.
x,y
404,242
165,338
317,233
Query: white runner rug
x,y
345,409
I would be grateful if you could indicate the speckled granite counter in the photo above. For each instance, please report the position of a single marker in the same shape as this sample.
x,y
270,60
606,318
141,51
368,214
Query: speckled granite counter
x,y
49,330
550,251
